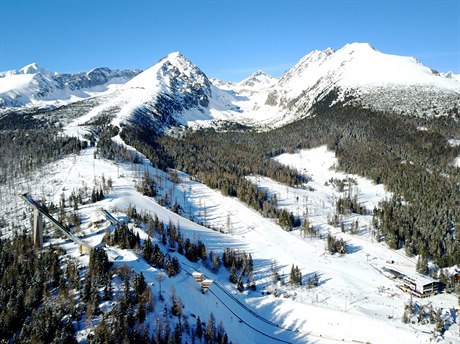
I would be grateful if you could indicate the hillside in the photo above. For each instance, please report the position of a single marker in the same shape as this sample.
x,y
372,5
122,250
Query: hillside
x,y
315,205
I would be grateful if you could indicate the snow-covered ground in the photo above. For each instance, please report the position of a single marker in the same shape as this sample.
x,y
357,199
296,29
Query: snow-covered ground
x,y
457,161
354,300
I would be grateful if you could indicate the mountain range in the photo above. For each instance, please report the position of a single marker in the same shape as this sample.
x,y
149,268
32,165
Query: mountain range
x,y
174,91
32,85
344,171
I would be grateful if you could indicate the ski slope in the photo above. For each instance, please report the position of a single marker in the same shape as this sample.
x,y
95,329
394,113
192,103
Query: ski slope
x,y
354,301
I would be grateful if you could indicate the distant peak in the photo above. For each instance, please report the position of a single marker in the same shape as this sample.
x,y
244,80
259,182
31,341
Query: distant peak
x,y
33,68
260,72
258,79
30,69
99,69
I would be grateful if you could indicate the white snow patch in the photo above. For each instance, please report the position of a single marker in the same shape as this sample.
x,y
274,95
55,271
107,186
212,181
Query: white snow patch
x,y
354,300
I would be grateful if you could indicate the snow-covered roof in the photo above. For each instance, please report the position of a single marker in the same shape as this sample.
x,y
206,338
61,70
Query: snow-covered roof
x,y
420,279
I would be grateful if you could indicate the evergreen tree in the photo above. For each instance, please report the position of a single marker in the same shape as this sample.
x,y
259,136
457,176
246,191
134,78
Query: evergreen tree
x,y
147,250
233,276
422,265
210,329
199,328
139,286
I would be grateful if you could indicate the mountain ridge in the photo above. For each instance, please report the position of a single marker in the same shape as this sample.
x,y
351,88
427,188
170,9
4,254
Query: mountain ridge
x,y
174,91
33,85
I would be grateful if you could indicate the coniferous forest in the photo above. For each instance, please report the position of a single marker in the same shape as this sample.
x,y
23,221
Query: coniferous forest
x,y
415,165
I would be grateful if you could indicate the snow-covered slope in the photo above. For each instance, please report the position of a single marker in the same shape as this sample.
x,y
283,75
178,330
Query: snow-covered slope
x,y
353,303
32,85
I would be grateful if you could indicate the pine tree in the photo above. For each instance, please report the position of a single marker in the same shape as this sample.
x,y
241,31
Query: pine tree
x,y
250,266
139,286
220,335
233,277
147,250
199,328
405,317
240,285
422,265
140,313
210,329
177,335
439,322
295,276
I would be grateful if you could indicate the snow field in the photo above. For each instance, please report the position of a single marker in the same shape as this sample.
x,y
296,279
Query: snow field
x,y
353,301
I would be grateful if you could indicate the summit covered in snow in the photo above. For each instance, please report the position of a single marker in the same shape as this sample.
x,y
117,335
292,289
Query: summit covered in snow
x,y
358,71
257,81
174,91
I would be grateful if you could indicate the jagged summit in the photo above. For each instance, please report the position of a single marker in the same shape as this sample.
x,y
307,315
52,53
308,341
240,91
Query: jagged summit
x,y
451,75
260,72
172,91
30,69
257,80
360,64
173,66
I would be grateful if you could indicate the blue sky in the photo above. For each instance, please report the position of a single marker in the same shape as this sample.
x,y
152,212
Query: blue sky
x,y
226,39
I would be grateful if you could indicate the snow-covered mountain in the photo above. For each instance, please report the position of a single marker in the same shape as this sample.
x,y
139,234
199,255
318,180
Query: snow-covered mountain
x,y
175,91
451,75
361,73
257,81
357,72
32,85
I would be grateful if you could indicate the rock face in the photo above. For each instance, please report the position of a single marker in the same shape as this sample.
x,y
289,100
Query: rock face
x,y
185,83
96,77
